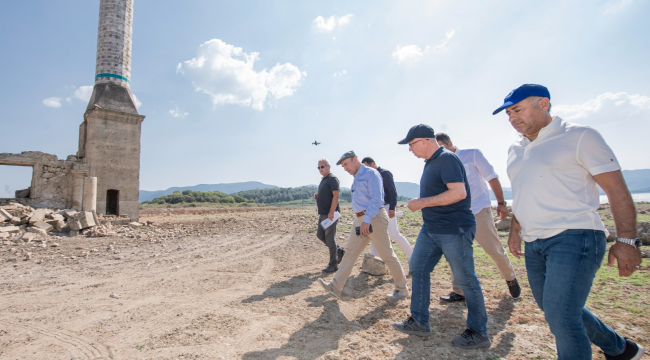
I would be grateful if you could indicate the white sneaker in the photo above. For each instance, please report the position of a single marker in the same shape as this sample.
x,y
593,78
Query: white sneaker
x,y
398,295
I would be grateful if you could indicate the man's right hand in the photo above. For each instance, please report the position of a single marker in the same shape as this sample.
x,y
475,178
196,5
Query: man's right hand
x,y
502,211
315,194
514,244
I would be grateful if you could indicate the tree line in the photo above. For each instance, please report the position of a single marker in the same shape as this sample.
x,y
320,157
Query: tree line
x,y
189,196
299,195
280,195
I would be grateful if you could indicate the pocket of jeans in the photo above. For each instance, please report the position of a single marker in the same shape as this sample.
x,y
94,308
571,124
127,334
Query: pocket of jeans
x,y
600,246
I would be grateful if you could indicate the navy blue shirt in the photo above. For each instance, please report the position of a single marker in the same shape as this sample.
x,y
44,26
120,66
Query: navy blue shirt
x,y
442,168
390,193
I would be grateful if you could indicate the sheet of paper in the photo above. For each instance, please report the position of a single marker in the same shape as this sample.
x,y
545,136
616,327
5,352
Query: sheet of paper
x,y
399,213
327,222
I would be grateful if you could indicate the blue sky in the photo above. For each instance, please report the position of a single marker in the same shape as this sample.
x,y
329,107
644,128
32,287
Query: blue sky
x,y
352,75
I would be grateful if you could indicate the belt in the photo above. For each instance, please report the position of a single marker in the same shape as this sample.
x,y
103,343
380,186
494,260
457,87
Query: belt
x,y
360,214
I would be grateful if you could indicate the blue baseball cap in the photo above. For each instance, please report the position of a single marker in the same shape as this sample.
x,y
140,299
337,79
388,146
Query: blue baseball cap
x,y
418,131
522,93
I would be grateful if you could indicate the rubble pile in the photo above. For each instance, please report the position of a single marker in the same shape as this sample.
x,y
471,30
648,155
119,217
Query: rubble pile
x,y
22,223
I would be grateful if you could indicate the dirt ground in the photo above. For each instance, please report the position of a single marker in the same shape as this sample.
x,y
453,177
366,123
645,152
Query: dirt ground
x,y
238,285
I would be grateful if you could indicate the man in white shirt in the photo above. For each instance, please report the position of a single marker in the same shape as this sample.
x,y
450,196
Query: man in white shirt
x,y
479,174
555,170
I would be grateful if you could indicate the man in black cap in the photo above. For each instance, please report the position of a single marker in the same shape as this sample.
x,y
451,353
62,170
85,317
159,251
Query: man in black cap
x,y
448,230
370,224
555,169
327,201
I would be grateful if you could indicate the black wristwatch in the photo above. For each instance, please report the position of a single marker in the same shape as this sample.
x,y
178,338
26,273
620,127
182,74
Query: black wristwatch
x,y
636,242
502,202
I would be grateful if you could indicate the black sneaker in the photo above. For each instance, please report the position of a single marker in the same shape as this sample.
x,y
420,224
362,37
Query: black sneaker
x,y
515,289
409,326
470,339
330,269
339,253
633,351
452,297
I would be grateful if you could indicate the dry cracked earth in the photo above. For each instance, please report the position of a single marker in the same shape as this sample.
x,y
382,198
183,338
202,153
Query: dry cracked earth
x,y
226,284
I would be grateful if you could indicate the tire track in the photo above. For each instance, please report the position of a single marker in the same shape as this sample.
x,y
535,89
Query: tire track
x,y
72,343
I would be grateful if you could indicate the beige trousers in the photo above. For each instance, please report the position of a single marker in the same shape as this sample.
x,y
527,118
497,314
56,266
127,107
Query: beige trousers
x,y
488,238
356,244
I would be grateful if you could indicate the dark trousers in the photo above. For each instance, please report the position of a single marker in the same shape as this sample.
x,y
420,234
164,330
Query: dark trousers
x,y
328,237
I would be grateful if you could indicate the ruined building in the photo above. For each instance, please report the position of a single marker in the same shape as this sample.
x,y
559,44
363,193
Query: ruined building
x,y
109,136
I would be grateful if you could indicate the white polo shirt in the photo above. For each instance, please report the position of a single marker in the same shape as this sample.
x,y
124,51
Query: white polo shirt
x,y
552,179
478,171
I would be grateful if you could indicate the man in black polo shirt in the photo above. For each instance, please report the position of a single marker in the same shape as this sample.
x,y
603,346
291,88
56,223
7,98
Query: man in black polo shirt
x,y
448,230
327,200
390,202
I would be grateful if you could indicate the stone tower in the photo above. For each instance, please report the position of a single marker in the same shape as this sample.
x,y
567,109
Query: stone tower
x,y
109,137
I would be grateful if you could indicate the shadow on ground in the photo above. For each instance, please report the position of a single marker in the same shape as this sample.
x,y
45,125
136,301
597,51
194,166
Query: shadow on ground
x,y
315,338
285,288
450,322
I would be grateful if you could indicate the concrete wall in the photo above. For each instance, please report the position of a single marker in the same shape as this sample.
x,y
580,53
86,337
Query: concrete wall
x,y
112,153
52,178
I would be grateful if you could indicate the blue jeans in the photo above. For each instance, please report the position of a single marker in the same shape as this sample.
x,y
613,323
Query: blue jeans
x,y
457,249
561,270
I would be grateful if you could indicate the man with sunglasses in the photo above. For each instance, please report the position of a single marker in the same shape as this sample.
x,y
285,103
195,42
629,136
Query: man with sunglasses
x,y
448,229
327,201
370,224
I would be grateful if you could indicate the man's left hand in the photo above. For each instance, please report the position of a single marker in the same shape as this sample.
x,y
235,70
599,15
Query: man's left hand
x,y
414,205
391,213
365,229
331,215
627,256
502,211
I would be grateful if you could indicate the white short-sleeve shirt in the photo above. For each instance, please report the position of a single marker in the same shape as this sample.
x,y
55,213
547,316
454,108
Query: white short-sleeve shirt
x,y
552,179
478,171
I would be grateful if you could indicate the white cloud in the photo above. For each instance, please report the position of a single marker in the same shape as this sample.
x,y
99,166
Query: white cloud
x,y
414,52
339,73
607,108
226,73
443,45
84,93
54,102
409,52
178,114
137,102
328,25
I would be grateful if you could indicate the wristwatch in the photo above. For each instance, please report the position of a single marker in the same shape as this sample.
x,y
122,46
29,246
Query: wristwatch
x,y
636,242
502,202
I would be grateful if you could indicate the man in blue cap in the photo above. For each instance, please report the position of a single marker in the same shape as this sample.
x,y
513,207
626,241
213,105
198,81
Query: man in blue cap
x,y
555,170
448,229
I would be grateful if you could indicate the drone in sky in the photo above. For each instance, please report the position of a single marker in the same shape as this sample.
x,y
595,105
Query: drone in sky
x,y
316,143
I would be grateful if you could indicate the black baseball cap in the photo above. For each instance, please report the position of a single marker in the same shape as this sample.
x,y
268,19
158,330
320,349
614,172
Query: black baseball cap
x,y
418,131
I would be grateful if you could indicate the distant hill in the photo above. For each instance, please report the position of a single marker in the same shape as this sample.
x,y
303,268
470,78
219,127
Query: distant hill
x,y
408,189
638,181
146,195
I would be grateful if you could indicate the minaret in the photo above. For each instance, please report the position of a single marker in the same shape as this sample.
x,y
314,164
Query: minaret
x,y
109,137
113,66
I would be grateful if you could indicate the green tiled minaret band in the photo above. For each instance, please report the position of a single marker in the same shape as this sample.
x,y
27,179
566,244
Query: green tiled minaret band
x,y
113,76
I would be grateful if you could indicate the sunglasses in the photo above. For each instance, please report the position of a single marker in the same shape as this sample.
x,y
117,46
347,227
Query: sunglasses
x,y
413,143
321,167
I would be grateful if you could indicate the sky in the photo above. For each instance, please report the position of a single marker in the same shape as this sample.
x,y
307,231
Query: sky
x,y
237,91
